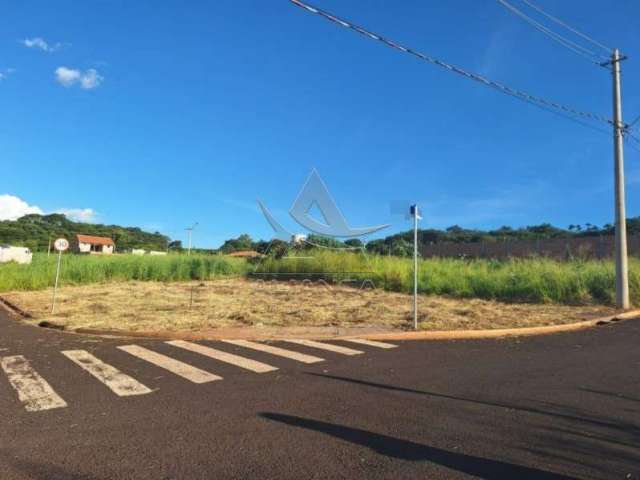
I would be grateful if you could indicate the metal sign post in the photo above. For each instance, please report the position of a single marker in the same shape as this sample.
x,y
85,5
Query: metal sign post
x,y
416,216
60,245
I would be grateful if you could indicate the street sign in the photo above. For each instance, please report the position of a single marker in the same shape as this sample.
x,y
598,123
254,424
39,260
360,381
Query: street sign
x,y
61,244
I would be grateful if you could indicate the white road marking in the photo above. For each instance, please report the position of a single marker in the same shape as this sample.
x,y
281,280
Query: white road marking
x,y
370,343
236,360
182,369
33,390
281,352
121,384
325,346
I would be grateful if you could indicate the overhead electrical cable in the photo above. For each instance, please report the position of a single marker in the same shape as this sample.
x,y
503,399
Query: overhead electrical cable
x,y
568,27
632,138
590,55
631,125
538,101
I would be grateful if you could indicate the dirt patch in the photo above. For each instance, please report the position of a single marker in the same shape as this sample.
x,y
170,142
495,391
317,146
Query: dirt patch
x,y
148,306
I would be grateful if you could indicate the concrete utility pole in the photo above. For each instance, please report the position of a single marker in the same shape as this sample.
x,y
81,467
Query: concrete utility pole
x,y
190,230
622,272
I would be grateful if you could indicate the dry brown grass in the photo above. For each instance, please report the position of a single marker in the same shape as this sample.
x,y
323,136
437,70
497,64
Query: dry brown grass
x,y
150,306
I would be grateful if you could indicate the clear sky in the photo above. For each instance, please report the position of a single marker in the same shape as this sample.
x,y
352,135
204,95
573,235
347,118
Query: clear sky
x,y
159,114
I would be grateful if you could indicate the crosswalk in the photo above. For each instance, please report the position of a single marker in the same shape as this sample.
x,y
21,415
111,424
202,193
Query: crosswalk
x,y
121,384
326,346
36,394
33,390
181,369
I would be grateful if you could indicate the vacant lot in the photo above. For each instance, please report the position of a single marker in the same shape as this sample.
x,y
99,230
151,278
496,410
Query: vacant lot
x,y
149,306
533,280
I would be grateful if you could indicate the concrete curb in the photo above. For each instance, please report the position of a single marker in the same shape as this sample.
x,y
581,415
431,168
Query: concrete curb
x,y
332,333
13,309
506,332
335,333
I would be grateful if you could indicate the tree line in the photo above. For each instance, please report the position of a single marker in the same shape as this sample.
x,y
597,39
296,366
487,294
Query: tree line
x,y
36,231
401,244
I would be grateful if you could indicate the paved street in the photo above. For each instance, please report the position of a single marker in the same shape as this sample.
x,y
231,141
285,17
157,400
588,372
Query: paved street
x,y
556,407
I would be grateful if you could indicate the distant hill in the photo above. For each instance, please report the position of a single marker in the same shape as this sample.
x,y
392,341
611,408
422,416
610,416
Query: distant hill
x,y
34,231
401,243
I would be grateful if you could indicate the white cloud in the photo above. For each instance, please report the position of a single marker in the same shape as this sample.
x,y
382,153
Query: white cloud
x,y
67,76
88,80
6,72
86,215
12,208
41,43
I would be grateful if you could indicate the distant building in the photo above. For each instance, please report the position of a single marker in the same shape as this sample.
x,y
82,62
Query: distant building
x,y
154,252
15,254
298,239
138,251
245,254
94,245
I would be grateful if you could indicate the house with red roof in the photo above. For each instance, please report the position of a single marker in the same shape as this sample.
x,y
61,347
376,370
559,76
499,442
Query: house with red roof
x,y
94,245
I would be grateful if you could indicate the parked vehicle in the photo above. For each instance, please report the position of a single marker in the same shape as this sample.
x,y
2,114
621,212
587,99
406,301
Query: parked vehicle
x,y
15,254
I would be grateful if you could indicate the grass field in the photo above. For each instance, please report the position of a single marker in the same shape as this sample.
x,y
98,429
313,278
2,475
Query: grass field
x,y
237,302
523,280
535,280
87,269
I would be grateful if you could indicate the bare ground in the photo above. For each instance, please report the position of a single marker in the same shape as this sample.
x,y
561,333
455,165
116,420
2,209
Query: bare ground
x,y
150,306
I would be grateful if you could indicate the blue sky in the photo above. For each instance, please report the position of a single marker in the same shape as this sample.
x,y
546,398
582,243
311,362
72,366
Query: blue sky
x,y
159,114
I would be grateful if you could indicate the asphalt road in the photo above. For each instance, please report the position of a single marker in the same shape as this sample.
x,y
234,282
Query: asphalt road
x,y
551,407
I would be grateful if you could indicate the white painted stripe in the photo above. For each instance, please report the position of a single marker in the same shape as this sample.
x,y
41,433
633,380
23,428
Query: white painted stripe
x,y
370,343
281,352
121,384
325,346
174,366
224,356
33,391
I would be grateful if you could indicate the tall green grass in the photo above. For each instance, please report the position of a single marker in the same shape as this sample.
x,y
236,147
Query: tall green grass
x,y
82,269
536,280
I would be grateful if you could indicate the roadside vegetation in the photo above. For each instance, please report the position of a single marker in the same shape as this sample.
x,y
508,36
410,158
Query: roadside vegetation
x,y
534,280
87,269
38,231
269,306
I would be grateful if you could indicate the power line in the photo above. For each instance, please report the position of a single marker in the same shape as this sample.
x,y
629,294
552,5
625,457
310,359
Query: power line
x,y
630,125
568,27
538,101
590,55
629,136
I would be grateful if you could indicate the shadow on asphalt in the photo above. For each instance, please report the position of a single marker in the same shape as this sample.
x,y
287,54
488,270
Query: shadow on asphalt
x,y
41,471
603,443
560,412
611,394
411,451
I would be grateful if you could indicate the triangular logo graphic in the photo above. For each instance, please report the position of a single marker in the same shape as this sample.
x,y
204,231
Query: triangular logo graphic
x,y
315,193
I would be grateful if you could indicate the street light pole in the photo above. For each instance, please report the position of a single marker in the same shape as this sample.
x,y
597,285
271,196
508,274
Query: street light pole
x,y
622,272
190,230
